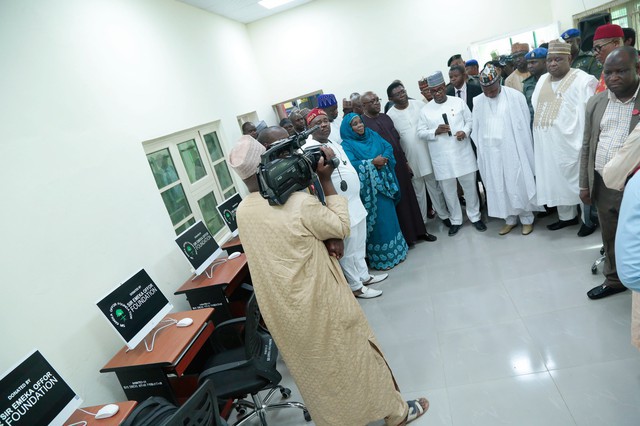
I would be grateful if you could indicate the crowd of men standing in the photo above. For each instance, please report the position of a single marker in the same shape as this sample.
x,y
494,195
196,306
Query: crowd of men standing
x,y
534,128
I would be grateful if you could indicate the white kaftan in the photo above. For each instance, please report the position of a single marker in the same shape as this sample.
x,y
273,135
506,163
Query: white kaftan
x,y
502,135
558,128
450,157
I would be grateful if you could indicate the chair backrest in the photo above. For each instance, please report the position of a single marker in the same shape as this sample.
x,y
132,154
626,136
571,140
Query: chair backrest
x,y
201,409
259,345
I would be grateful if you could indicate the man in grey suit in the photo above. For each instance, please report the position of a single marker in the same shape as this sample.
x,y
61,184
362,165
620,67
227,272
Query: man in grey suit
x,y
610,117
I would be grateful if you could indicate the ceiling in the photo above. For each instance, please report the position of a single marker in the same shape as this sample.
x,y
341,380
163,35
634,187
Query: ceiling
x,y
244,11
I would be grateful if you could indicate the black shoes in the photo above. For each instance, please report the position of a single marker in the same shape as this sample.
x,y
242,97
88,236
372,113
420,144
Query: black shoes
x,y
480,226
428,237
453,229
586,230
603,291
447,223
562,224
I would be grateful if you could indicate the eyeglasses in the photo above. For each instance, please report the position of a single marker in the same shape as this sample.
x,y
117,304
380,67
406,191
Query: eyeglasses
x,y
373,101
438,89
597,49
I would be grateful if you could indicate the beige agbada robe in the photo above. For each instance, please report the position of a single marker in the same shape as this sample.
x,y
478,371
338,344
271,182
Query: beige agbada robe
x,y
317,324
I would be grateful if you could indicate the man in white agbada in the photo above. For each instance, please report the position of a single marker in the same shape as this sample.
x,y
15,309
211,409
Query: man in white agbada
x,y
502,135
405,114
451,152
559,101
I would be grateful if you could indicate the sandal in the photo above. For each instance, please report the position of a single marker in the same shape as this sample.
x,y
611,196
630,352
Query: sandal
x,y
415,409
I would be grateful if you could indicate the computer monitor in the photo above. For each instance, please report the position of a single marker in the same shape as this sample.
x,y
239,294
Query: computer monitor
x,y
33,393
198,246
228,210
134,308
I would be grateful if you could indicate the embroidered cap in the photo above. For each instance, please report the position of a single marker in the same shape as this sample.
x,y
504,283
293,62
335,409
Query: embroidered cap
x,y
519,48
559,47
435,79
326,101
244,158
313,114
489,75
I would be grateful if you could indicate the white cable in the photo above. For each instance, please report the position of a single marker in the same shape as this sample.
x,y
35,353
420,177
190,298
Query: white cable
x,y
80,423
209,271
85,411
153,339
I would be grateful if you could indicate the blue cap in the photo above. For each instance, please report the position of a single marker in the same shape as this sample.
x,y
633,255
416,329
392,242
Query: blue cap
x,y
537,53
570,33
471,62
326,101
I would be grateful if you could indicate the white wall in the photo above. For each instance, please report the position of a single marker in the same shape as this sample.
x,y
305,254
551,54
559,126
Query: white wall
x,y
358,45
83,83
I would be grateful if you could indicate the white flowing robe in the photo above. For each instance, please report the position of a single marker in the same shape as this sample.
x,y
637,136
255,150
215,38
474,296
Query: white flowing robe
x,y
406,122
502,135
450,157
557,142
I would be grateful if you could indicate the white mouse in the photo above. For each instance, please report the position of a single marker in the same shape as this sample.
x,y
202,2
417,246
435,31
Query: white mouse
x,y
184,322
107,411
234,255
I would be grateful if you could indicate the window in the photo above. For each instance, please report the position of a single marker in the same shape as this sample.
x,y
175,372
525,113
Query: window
x,y
191,173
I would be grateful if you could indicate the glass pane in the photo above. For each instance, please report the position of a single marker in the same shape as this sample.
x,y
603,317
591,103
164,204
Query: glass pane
x,y
180,229
223,175
176,204
213,145
191,160
164,172
229,193
210,213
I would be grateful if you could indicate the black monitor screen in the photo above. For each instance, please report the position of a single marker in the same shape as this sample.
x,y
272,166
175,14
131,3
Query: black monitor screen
x,y
135,307
33,393
228,210
198,246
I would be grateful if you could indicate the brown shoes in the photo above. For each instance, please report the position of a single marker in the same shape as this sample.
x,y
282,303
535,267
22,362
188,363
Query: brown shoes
x,y
506,229
527,229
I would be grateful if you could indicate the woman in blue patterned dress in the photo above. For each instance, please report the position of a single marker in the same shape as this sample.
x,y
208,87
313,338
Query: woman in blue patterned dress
x,y
373,159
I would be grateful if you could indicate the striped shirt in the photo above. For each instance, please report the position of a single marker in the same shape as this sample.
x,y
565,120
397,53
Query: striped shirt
x,y
614,128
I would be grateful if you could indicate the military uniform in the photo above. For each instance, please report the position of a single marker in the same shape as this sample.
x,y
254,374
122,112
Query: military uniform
x,y
528,86
587,63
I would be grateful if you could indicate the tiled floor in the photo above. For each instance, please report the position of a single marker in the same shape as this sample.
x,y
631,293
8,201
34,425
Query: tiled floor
x,y
497,330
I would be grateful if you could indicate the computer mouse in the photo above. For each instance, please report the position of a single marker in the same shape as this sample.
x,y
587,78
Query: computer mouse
x,y
107,411
234,255
184,322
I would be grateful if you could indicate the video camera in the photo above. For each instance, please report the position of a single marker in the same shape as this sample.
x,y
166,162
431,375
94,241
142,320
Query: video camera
x,y
284,169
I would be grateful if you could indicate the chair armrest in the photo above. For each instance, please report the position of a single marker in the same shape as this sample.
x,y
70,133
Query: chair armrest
x,y
221,367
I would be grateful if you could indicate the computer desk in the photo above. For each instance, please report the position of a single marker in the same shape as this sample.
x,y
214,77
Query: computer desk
x,y
233,245
162,372
80,416
203,292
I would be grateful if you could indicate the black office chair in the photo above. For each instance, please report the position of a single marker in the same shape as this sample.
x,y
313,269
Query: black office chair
x,y
249,369
201,409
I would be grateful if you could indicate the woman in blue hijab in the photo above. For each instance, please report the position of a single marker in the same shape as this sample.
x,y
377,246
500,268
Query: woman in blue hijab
x,y
373,159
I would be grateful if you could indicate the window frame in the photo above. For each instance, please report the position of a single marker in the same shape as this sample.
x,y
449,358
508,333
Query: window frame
x,y
209,183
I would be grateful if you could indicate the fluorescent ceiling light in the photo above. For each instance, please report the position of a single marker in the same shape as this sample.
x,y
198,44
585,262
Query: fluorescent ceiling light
x,y
270,4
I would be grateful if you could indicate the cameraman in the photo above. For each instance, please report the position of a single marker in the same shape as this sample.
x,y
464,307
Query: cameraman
x,y
322,333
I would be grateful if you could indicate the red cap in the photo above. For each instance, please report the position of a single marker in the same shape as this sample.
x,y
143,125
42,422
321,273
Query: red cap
x,y
608,31
313,114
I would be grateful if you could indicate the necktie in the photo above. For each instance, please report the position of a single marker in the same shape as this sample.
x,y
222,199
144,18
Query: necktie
x,y
459,93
